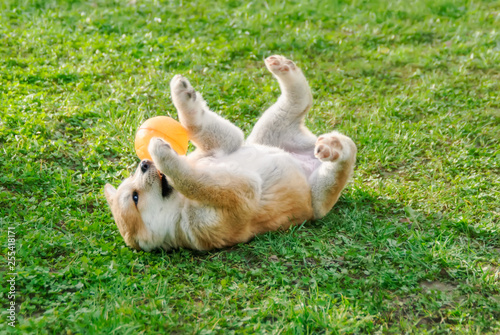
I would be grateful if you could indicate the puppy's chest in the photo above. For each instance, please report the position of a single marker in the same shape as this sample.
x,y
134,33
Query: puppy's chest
x,y
198,216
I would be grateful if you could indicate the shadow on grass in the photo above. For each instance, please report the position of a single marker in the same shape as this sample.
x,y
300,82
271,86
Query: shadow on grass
x,y
379,255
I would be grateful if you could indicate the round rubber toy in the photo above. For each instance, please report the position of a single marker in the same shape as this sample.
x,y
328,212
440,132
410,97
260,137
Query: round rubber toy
x,y
166,128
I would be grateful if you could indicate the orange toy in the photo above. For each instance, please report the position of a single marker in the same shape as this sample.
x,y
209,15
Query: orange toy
x,y
166,128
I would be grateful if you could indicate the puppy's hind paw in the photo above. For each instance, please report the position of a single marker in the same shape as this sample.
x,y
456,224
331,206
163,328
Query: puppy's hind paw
x,y
335,147
279,65
328,148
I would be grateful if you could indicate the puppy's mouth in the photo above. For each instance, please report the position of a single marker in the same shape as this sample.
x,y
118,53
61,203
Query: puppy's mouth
x,y
166,188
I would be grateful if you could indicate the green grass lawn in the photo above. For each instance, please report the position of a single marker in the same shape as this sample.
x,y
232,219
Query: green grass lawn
x,y
413,246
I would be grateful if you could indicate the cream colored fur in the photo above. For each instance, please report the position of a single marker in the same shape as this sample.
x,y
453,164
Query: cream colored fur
x,y
228,190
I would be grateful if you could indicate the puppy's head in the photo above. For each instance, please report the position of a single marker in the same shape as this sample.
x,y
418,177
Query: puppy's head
x,y
136,206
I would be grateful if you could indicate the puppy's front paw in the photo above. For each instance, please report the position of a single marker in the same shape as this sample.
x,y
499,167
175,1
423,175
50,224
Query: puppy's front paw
x,y
160,150
182,91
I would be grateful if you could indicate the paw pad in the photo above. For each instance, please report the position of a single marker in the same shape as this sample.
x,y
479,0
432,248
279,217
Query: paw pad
x,y
328,148
182,89
279,64
191,94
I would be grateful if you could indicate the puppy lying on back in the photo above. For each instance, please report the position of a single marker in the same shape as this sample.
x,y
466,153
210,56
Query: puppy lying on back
x,y
228,190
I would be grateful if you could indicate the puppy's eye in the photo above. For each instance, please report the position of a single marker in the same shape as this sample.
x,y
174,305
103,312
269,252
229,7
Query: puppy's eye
x,y
135,197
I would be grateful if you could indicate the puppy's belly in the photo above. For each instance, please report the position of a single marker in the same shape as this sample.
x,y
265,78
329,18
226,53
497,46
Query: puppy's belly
x,y
307,162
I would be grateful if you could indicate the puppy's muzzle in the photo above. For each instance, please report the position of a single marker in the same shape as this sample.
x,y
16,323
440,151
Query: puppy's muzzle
x,y
145,164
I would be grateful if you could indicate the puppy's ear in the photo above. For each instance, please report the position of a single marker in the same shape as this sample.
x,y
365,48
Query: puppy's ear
x,y
110,192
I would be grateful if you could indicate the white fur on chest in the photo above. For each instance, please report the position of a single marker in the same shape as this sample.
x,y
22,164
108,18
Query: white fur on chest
x,y
161,219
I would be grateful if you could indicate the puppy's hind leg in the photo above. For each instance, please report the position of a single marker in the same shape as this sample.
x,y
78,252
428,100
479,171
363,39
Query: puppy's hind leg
x,y
338,155
282,125
207,130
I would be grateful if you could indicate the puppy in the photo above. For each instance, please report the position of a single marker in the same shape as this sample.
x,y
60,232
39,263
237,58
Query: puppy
x,y
229,190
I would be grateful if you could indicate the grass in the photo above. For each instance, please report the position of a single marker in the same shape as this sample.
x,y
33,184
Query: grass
x,y
413,246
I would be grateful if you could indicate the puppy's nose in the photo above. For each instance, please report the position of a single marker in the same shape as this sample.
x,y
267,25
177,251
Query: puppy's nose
x,y
145,164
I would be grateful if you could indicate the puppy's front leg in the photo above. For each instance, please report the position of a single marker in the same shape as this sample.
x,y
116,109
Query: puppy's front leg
x,y
207,130
166,159
214,187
